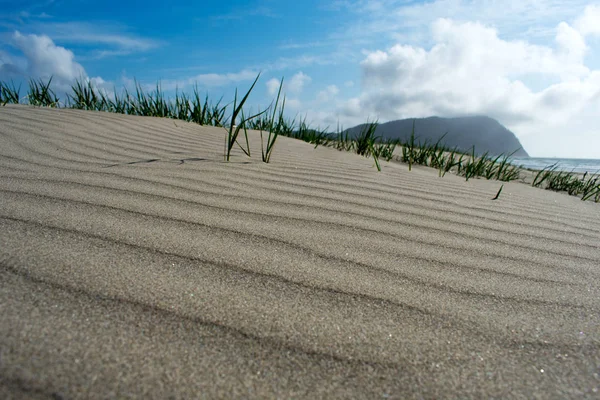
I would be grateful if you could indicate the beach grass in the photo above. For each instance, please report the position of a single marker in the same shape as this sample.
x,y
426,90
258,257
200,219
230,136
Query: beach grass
x,y
277,125
40,94
587,185
365,139
452,160
364,143
444,159
233,130
344,140
385,149
317,136
408,149
272,123
9,94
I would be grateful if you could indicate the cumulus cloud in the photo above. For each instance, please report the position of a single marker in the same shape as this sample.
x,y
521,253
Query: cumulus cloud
x,y
45,58
294,104
290,102
296,84
471,70
272,86
42,59
404,20
571,43
589,22
328,94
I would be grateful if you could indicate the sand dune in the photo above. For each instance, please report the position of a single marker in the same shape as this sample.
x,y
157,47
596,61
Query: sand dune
x,y
136,263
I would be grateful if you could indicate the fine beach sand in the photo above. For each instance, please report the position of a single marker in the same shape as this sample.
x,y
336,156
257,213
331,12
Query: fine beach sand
x,y
135,263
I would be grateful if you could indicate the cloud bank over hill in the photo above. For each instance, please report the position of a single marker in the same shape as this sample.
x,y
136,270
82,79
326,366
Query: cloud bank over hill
x,y
470,70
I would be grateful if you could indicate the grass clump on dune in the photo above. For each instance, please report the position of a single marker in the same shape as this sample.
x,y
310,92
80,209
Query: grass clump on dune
x,y
40,94
364,144
85,96
453,160
9,94
587,185
498,168
444,159
313,136
275,125
233,131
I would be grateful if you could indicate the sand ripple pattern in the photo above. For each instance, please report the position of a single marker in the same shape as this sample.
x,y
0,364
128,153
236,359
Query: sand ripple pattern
x,y
134,262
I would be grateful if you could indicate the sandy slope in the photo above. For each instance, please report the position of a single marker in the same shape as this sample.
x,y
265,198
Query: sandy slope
x,y
134,262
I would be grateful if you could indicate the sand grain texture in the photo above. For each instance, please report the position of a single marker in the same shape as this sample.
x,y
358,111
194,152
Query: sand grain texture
x,y
134,262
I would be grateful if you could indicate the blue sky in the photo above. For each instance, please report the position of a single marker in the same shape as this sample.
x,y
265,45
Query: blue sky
x,y
534,65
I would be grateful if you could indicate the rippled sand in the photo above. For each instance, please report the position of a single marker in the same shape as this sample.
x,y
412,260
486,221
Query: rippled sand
x,y
134,262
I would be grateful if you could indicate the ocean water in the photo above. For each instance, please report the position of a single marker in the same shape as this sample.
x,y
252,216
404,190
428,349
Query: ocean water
x,y
580,165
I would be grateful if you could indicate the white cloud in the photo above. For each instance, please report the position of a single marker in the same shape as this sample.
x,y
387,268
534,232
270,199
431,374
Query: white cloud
x,y
100,84
43,59
77,32
471,70
108,38
328,94
589,22
404,20
571,43
294,85
294,104
297,82
272,86
352,108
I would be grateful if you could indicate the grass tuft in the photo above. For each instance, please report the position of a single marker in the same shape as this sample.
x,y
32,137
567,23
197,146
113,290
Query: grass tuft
x,y
86,97
408,149
587,185
365,139
41,95
276,125
9,94
233,131
309,135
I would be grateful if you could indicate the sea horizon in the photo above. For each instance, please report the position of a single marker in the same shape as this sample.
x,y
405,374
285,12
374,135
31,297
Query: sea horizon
x,y
579,165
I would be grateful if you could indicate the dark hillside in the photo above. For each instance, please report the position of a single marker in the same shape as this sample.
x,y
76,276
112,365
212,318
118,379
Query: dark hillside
x,y
485,133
